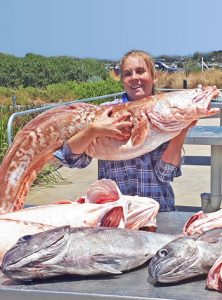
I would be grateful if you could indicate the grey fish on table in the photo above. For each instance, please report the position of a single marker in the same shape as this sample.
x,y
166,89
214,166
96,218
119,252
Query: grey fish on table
x,y
81,251
186,257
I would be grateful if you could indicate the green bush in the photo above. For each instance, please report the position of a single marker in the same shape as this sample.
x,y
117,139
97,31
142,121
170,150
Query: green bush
x,y
40,71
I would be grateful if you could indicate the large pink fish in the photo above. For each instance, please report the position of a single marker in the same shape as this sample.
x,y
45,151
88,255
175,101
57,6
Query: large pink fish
x,y
156,119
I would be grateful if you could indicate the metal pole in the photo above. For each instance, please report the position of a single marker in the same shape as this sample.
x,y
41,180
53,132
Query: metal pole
x,y
14,102
215,198
212,202
185,84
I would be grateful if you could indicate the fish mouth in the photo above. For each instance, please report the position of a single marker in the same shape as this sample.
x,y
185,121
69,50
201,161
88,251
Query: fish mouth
x,y
204,98
26,259
169,270
176,261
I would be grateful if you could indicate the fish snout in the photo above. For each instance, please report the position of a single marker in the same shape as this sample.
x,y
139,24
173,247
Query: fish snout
x,y
156,264
205,96
151,280
153,273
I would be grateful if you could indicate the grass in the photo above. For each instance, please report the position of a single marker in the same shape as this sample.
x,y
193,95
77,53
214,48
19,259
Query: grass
x,y
175,80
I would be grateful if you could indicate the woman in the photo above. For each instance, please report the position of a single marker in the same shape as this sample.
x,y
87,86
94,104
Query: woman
x,y
148,175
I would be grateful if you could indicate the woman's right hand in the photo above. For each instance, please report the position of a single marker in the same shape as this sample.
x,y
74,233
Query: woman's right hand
x,y
105,125
115,127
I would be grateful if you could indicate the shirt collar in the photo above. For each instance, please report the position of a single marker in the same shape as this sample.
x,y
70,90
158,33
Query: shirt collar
x,y
125,98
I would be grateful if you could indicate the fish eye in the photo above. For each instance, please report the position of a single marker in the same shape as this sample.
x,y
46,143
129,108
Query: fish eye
x,y
25,238
163,252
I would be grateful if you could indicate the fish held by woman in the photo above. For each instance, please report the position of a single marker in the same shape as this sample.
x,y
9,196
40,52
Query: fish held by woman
x,y
156,119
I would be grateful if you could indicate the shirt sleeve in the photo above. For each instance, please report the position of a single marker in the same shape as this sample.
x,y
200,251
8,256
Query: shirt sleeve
x,y
68,159
166,172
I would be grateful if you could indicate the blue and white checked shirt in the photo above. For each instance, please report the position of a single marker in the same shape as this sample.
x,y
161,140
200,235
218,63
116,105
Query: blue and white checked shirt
x,y
146,176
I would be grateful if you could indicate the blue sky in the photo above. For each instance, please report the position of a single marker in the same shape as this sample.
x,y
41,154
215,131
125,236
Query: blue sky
x,y
106,29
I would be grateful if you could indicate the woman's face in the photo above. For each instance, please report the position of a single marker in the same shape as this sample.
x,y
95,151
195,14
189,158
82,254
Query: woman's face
x,y
136,78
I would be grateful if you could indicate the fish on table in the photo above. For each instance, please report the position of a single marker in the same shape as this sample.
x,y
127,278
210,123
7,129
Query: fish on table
x,y
81,251
103,205
11,230
186,257
139,212
201,222
214,276
156,119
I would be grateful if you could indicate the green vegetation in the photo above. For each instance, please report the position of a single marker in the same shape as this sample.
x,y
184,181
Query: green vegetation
x,y
4,115
39,71
59,92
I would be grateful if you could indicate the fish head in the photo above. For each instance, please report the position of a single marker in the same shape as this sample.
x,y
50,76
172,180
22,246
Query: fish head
x,y
25,260
176,110
175,261
201,100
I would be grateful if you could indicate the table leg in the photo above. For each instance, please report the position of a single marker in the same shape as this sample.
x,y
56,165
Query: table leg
x,y
216,165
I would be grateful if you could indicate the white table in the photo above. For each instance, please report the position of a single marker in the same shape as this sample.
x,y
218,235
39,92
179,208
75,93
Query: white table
x,y
129,286
210,135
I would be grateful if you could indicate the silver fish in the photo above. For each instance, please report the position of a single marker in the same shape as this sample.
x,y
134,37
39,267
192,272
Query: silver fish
x,y
186,257
82,251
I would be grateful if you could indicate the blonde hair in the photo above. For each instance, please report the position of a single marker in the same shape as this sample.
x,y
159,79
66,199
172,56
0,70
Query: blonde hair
x,y
146,57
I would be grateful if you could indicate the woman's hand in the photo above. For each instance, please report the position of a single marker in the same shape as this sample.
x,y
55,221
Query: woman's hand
x,y
105,125
115,127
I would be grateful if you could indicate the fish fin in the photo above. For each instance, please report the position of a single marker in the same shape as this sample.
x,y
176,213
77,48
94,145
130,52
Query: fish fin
x,y
190,221
102,191
113,217
140,131
211,236
63,202
106,268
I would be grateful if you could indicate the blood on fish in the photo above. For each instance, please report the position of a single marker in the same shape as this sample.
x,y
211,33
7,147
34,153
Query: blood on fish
x,y
112,218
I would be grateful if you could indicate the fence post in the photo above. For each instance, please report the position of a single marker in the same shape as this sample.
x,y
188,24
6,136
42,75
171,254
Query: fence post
x,y
14,102
185,84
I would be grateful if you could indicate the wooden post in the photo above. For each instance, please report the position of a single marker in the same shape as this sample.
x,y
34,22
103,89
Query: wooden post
x,y
185,84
